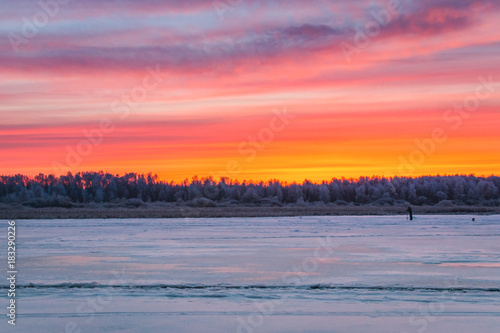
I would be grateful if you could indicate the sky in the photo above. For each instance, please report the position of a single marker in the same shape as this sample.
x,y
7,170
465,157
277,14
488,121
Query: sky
x,y
250,89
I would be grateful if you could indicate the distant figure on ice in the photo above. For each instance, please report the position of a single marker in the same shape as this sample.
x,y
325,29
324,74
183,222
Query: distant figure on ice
x,y
411,213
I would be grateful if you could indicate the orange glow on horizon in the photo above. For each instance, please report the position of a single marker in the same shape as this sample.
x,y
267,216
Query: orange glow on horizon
x,y
203,99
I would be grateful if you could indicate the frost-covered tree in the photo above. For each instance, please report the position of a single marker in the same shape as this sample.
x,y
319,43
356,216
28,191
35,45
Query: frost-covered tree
x,y
49,190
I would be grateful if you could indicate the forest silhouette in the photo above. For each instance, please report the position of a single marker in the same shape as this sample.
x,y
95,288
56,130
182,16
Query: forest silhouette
x,y
76,190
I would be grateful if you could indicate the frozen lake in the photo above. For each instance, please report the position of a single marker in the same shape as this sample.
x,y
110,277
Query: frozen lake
x,y
310,274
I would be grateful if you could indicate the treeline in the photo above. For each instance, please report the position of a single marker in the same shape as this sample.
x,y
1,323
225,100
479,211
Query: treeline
x,y
137,189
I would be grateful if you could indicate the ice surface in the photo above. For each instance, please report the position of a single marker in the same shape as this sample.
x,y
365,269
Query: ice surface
x,y
309,274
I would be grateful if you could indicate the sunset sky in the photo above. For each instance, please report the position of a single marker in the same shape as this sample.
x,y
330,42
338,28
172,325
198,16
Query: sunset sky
x,y
250,89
